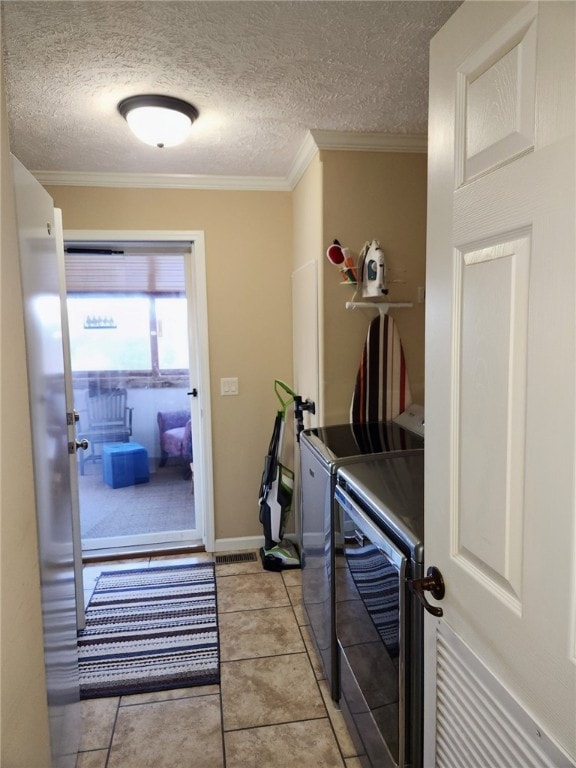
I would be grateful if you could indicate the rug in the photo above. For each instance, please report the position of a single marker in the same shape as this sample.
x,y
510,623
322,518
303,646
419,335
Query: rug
x,y
150,629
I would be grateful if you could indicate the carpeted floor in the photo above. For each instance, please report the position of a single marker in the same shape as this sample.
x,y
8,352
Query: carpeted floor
x,y
150,629
166,503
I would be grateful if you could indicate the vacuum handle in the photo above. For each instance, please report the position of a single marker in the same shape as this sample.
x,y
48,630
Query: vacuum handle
x,y
281,385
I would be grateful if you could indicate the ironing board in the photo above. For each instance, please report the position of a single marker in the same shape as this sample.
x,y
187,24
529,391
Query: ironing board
x,y
382,389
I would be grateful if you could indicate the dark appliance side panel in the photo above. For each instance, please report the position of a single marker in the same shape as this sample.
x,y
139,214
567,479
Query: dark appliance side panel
x,y
316,547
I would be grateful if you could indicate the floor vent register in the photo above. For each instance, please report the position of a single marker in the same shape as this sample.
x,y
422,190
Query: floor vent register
x,y
242,557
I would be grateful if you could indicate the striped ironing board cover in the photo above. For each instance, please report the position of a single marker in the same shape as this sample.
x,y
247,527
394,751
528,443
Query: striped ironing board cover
x,y
382,389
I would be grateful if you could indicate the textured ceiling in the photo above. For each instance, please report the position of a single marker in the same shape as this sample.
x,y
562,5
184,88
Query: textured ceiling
x,y
260,73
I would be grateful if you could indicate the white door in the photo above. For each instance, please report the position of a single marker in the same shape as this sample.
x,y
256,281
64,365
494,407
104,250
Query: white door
x,y
50,446
500,387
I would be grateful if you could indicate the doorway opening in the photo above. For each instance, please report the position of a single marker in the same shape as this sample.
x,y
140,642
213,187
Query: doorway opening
x,y
133,344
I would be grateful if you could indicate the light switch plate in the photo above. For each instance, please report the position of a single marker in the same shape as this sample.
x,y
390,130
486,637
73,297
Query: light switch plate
x,y
229,386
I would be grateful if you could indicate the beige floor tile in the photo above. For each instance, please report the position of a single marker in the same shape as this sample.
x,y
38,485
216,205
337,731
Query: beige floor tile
x,y
312,653
338,723
272,690
98,717
292,577
169,734
302,744
356,762
295,596
238,569
172,695
96,759
252,634
250,591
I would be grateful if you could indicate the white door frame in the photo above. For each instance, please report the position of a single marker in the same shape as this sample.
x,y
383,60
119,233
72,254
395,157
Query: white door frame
x,y
199,363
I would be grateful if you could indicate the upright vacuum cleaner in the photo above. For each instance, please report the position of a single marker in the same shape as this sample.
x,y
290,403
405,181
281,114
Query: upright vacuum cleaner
x,y
276,492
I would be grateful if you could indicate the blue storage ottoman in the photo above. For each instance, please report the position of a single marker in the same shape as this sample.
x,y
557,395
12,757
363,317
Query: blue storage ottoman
x,y
124,464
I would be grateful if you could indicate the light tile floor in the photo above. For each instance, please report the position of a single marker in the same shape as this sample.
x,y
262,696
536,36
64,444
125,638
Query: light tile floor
x,y
272,707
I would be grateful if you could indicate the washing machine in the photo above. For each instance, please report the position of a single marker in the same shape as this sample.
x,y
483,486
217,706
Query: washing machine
x,y
323,451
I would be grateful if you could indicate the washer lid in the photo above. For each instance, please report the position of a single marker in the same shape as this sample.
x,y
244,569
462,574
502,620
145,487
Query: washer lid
x,y
342,441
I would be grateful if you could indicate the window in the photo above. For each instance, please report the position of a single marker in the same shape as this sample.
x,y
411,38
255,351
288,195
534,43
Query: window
x,y
172,332
135,333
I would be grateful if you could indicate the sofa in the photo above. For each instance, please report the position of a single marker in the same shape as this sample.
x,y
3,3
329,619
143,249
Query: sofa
x,y
175,428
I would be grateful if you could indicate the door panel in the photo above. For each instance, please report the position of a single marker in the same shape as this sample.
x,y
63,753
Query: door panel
x,y
491,318
500,361
41,294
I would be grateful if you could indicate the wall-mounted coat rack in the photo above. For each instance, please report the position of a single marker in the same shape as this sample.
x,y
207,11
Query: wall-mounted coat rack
x,y
381,306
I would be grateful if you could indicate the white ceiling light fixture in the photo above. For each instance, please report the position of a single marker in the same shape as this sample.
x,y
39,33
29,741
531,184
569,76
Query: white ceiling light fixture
x,y
161,121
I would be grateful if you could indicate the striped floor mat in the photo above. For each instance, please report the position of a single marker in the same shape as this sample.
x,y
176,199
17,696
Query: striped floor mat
x,y
150,629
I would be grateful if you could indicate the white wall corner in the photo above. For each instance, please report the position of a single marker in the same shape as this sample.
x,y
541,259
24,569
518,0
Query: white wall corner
x,y
304,156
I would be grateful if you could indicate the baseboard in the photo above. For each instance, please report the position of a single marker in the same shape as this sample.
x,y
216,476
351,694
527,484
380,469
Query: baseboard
x,y
238,544
246,542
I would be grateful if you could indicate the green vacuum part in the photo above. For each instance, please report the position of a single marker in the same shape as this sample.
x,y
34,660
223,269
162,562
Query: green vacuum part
x,y
281,556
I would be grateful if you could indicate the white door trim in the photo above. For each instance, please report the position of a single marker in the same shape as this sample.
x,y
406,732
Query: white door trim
x,y
203,472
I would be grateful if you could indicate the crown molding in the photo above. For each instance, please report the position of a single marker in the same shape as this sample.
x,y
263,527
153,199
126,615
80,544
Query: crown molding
x,y
370,142
314,141
308,149
162,181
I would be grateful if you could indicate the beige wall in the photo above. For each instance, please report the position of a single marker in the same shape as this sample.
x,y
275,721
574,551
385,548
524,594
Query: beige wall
x,y
248,269
381,196
24,739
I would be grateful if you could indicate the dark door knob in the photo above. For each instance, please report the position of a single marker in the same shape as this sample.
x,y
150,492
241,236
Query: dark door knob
x,y
433,583
194,392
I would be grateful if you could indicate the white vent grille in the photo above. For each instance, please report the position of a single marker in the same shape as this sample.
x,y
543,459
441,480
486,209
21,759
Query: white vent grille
x,y
478,723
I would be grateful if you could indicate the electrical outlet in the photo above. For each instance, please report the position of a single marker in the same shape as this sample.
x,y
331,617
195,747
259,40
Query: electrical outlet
x,y
229,386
